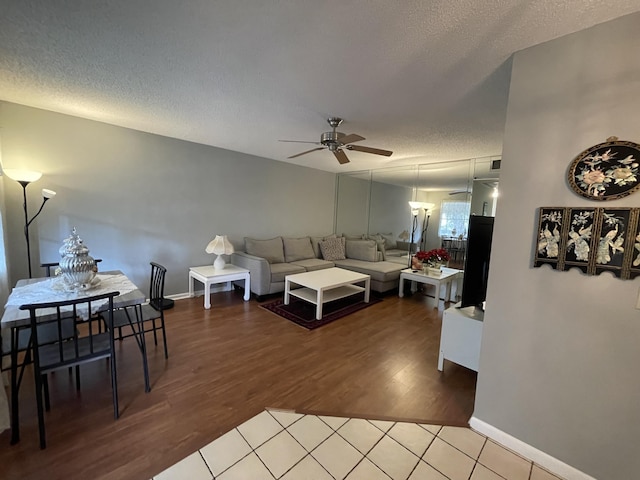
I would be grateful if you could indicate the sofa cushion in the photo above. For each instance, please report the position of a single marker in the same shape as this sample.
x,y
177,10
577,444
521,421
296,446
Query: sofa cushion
x,y
333,249
281,270
311,264
297,249
365,250
315,244
390,243
380,271
380,245
271,250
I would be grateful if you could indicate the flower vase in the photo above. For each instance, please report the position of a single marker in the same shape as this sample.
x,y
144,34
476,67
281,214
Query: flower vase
x,y
433,270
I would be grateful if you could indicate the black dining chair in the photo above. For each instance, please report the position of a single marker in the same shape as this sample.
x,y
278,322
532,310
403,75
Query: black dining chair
x,y
18,349
87,344
148,314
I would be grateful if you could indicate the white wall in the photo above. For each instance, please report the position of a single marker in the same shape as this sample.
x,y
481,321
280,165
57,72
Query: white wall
x,y
560,350
136,197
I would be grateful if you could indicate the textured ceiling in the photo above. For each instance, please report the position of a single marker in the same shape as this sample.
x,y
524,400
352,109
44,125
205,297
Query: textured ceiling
x,y
426,79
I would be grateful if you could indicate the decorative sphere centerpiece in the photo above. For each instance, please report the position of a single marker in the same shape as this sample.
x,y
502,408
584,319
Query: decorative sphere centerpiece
x,y
77,268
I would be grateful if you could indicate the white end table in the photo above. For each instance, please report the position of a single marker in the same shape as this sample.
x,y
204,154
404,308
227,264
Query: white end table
x,y
208,275
447,276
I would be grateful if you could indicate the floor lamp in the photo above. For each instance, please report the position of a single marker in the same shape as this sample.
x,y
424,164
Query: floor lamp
x,y
425,224
24,178
414,225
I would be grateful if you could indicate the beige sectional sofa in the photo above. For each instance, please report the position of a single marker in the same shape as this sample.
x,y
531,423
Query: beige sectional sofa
x,y
270,260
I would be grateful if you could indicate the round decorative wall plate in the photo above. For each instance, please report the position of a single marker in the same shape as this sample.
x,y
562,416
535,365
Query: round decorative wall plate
x,y
606,171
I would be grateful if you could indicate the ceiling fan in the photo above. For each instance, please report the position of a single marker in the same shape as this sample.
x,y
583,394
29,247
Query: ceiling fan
x,y
337,141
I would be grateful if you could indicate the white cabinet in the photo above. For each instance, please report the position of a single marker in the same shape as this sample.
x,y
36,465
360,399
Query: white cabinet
x,y
461,337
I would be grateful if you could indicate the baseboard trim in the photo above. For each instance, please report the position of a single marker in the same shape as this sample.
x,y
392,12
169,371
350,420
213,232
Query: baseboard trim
x,y
538,457
199,293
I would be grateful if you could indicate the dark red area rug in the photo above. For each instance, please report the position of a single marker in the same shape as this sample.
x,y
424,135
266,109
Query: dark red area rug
x,y
304,313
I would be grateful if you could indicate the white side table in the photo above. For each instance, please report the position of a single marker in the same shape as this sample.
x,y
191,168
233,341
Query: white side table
x,y
209,276
448,275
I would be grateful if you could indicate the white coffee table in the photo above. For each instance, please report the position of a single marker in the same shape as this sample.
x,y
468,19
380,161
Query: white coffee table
x,y
210,276
446,278
322,286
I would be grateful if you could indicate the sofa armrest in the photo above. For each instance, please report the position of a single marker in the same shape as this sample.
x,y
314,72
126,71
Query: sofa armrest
x,y
259,269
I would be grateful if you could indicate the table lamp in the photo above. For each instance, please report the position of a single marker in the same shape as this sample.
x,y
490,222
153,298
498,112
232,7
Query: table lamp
x,y
220,246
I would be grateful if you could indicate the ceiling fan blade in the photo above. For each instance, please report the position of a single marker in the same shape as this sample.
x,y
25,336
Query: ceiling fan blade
x,y
352,137
304,153
375,151
299,141
341,156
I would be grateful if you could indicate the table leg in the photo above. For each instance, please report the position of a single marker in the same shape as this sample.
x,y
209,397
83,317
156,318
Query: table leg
x,y
191,280
414,286
447,294
401,287
319,299
207,295
247,287
15,417
367,290
287,288
142,344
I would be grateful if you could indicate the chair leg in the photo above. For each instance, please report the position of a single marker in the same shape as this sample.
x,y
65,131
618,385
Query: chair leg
x,y
78,377
38,379
155,335
114,385
164,339
47,401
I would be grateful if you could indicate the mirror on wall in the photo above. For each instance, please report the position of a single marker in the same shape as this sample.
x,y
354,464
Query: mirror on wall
x,y
377,201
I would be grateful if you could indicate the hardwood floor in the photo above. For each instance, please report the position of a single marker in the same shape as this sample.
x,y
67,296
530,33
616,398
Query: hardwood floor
x,y
226,365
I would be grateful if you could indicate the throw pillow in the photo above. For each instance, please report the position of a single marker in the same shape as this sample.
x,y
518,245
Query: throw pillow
x,y
354,237
390,241
297,249
362,250
315,244
332,249
271,250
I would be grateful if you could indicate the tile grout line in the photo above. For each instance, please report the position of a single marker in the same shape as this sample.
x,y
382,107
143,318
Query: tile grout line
x,y
308,453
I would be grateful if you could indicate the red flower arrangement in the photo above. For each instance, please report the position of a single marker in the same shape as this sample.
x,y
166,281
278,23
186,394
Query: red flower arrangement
x,y
437,255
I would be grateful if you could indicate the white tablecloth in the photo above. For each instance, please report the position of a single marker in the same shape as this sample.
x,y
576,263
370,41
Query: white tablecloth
x,y
53,290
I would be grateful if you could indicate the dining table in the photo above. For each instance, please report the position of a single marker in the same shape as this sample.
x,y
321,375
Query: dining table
x,y
54,289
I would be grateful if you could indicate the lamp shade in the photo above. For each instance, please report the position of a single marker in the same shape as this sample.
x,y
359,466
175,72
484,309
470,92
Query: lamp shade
x,y
428,206
220,246
26,176
46,193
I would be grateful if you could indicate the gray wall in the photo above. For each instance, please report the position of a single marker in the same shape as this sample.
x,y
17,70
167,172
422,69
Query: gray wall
x,y
560,350
136,197
352,214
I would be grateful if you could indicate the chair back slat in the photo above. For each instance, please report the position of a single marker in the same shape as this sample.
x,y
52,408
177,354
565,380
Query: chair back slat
x,y
156,285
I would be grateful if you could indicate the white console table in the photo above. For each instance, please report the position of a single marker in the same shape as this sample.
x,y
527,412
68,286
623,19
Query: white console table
x,y
461,336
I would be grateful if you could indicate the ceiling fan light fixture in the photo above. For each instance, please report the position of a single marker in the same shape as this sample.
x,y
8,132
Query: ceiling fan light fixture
x,y
335,141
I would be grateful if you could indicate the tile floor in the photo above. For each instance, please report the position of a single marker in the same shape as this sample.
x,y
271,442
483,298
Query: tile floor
x,y
290,446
